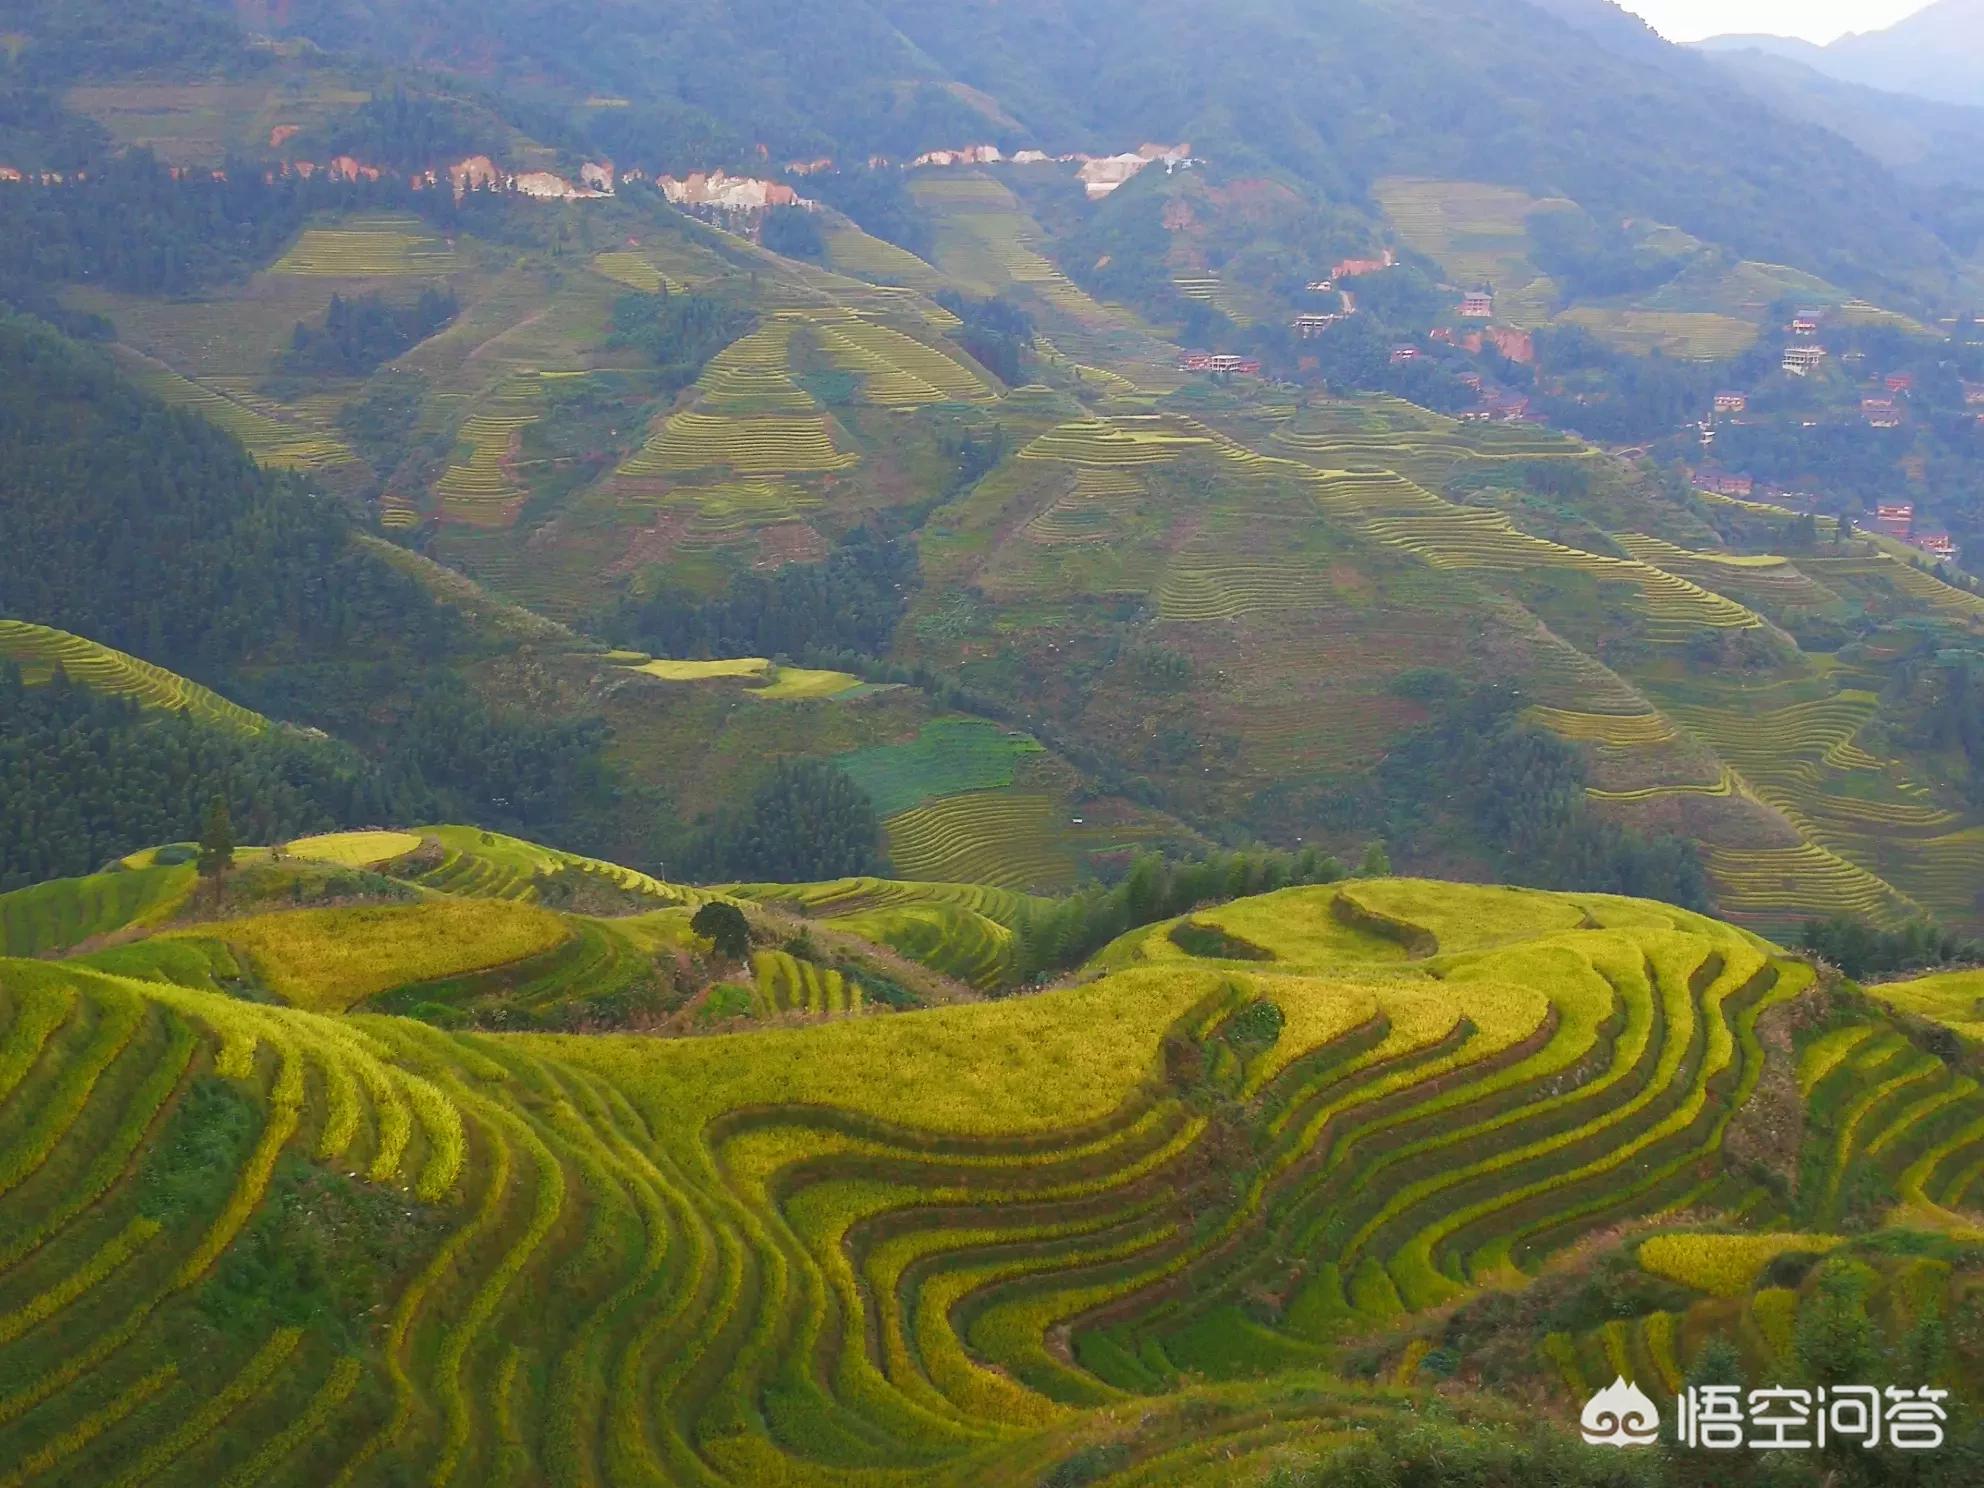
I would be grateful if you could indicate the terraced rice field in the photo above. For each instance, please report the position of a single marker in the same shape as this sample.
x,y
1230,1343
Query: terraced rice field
x,y
1674,608
480,487
747,1260
987,243
1205,590
964,931
896,371
1880,576
1954,999
354,849
369,248
948,757
1120,444
764,679
1889,1119
1779,887
690,441
1774,584
786,985
329,960
280,445
1856,809
854,252
724,514
1872,839
1005,838
40,652
635,271
1697,336
1430,455
54,916
1214,293
489,865
1478,233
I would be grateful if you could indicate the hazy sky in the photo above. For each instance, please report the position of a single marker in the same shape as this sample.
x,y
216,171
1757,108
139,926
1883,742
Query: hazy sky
x,y
1815,20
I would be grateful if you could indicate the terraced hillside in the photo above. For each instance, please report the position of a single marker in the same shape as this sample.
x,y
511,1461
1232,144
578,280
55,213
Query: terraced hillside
x,y
40,652
1218,598
1291,563
1150,1223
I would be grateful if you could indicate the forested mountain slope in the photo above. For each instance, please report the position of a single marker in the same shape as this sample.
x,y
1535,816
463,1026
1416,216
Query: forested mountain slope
x,y
1337,94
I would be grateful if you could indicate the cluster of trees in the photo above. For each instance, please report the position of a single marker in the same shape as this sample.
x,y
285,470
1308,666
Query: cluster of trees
x,y
679,333
410,131
108,38
1068,931
359,335
1866,952
382,422
850,603
1944,694
808,821
36,133
997,332
795,232
880,204
1593,260
130,225
86,778
1518,792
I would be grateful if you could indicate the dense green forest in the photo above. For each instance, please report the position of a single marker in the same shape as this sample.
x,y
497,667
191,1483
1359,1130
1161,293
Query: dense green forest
x,y
85,778
152,531
132,225
679,333
1519,791
362,334
849,604
807,821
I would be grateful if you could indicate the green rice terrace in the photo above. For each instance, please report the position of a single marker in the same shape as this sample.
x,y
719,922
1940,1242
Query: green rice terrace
x,y
298,1184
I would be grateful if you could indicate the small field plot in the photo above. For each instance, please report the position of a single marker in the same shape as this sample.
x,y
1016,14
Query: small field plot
x,y
480,485
1008,839
328,960
897,371
764,679
948,757
1478,233
750,446
1696,336
354,849
369,248
852,251
1955,999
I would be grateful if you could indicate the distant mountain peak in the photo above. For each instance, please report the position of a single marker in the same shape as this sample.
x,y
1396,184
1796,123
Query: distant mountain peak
x,y
1937,53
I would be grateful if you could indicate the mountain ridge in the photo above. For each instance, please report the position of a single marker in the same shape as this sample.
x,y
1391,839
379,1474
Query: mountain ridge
x,y
1935,53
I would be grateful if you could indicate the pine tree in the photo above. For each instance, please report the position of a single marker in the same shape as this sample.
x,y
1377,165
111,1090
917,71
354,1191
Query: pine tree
x,y
216,841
